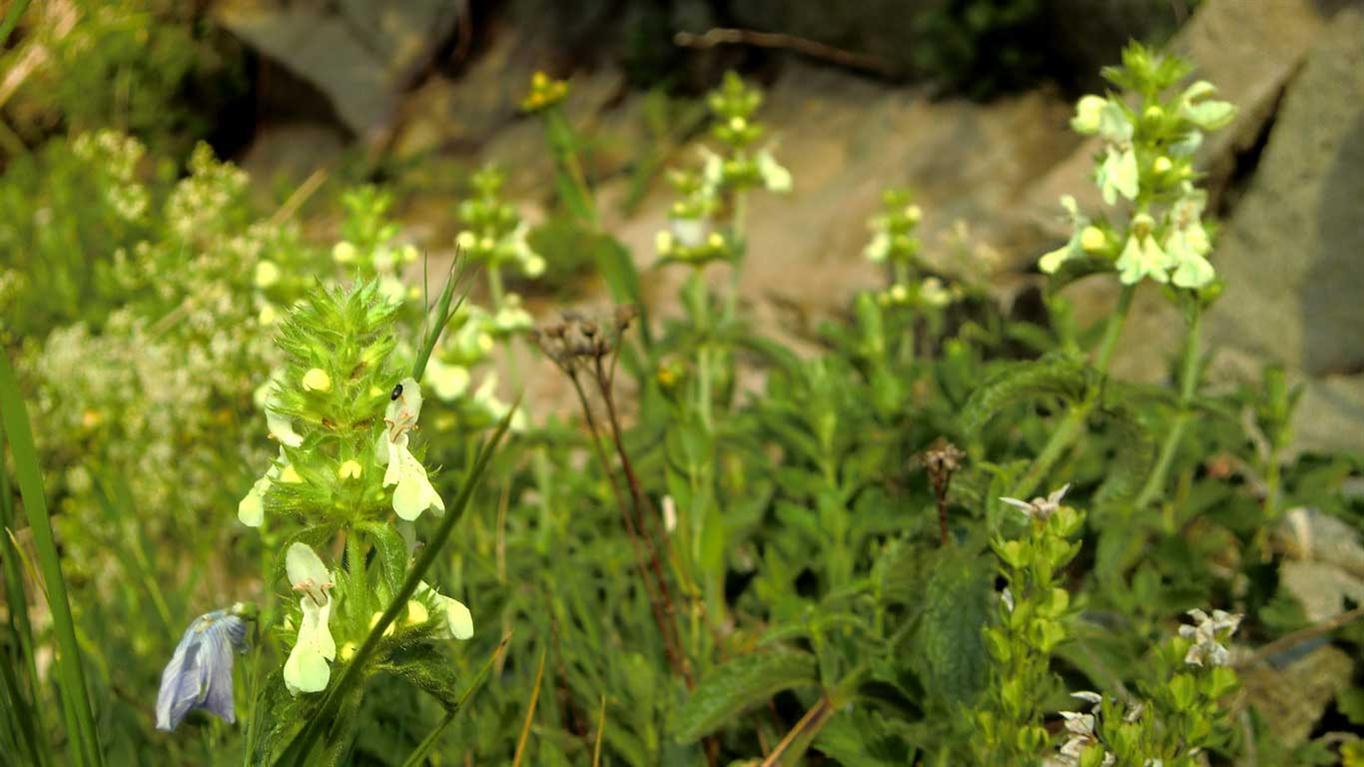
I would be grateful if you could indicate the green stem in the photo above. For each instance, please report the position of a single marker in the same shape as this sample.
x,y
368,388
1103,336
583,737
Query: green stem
x,y
1188,385
495,289
703,375
1073,424
1114,329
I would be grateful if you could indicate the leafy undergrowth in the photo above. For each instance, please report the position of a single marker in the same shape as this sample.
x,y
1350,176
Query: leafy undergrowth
x,y
948,537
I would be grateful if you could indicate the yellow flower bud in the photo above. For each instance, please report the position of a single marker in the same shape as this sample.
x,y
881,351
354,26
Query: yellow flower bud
x,y
347,651
316,379
344,253
290,475
737,124
374,621
715,240
1153,112
1162,165
1093,239
663,242
350,470
268,315
416,613
913,213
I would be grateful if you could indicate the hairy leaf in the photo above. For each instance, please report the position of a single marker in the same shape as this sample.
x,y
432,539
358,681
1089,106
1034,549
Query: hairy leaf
x,y
948,650
1020,381
739,685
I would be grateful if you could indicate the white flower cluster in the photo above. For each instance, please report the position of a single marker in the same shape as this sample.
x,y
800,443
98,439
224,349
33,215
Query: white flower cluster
x,y
1171,244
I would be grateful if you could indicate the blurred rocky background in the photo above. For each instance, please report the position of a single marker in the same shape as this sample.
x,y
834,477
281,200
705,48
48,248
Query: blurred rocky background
x,y
965,101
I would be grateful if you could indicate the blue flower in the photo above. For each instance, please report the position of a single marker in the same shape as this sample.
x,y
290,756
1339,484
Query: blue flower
x,y
199,675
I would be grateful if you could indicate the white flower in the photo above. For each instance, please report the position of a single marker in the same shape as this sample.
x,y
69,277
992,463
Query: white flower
x,y
448,381
1118,173
1187,243
306,670
392,289
267,273
458,620
669,508
712,171
414,493
1142,255
1040,508
1088,112
344,253
1208,115
879,248
1074,247
1206,632
1080,736
251,508
690,232
532,264
512,317
774,176
281,428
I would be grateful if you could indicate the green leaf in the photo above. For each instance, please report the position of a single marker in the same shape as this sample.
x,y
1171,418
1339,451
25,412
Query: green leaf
x,y
1022,381
948,647
1130,464
743,683
391,554
1351,704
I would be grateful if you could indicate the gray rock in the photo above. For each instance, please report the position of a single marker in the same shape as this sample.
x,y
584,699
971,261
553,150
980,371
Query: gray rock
x,y
1293,252
359,55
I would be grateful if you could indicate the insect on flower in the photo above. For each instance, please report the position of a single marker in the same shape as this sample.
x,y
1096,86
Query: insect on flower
x,y
414,493
199,674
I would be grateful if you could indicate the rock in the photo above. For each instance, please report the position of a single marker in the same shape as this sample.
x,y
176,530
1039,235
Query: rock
x,y
1249,49
1291,253
360,55
1293,698
845,139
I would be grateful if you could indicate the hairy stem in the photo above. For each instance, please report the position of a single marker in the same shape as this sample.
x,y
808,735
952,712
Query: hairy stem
x,y
1073,424
1188,385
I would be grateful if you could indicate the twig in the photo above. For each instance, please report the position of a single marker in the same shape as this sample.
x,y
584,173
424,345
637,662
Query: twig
x,y
299,196
530,711
1295,638
812,48
811,723
601,728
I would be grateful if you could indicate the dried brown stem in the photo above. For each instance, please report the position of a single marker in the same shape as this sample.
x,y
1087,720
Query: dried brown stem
x,y
641,503
671,643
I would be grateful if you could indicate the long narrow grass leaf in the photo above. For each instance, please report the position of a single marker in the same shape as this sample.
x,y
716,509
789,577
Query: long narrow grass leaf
x,y
71,676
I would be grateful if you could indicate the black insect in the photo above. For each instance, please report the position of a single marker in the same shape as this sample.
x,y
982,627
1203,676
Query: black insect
x,y
397,392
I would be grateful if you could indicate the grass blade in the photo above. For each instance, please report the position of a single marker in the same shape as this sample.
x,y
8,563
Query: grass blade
x,y
70,674
301,746
530,711
444,312
17,599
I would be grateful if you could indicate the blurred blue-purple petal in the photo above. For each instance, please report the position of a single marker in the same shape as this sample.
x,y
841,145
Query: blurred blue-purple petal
x,y
199,674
